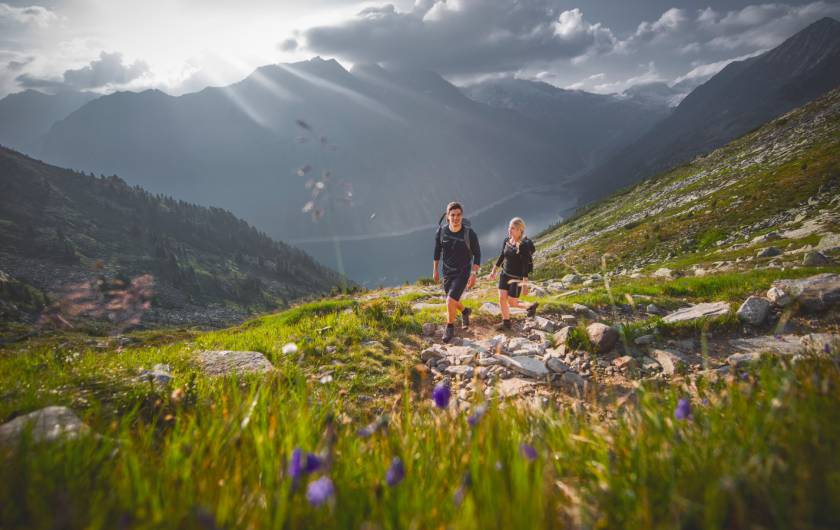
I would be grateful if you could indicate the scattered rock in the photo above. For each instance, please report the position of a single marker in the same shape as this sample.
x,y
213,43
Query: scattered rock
x,y
562,336
226,362
770,236
581,309
815,293
644,340
556,365
160,375
653,309
694,312
495,310
625,363
464,371
754,310
429,329
525,365
47,425
434,352
571,279
664,272
829,243
603,337
778,297
768,252
815,258
514,386
573,382
669,360
544,324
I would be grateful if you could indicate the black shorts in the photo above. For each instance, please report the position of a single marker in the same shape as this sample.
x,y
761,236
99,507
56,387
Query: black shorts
x,y
513,288
455,285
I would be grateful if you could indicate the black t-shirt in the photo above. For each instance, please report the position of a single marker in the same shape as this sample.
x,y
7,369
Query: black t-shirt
x,y
456,256
517,262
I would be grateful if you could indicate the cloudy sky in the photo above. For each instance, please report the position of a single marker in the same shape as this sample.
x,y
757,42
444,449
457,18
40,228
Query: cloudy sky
x,y
184,45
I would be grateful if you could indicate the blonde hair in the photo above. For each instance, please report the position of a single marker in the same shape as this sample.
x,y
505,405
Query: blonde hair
x,y
520,224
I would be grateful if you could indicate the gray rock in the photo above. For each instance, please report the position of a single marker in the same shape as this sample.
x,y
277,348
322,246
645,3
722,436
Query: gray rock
x,y
227,362
434,352
768,252
461,370
429,329
562,336
544,324
770,236
160,375
669,360
581,309
754,310
626,362
495,310
779,344
830,242
47,425
571,279
514,386
694,312
573,381
654,309
815,293
556,365
644,340
650,365
528,366
778,297
664,272
603,337
739,360
815,258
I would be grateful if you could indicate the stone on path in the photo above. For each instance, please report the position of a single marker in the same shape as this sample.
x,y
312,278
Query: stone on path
x,y
603,337
785,345
815,292
778,297
528,366
47,425
754,310
515,386
556,365
696,311
227,362
669,360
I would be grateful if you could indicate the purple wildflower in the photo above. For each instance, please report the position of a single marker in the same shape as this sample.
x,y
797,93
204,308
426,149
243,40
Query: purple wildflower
x,y
477,414
396,473
313,463
683,410
826,348
528,451
320,491
441,395
296,464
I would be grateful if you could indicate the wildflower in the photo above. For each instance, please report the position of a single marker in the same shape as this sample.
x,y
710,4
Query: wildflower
x,y
441,395
528,451
320,491
826,348
313,463
396,473
303,463
683,410
477,414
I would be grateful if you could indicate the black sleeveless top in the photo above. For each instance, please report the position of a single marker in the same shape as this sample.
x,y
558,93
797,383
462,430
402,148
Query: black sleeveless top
x,y
517,262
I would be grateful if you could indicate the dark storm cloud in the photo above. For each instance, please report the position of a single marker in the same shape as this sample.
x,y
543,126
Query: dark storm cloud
x,y
109,69
462,36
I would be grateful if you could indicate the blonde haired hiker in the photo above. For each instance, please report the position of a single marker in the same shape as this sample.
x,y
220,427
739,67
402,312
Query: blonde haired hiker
x,y
517,256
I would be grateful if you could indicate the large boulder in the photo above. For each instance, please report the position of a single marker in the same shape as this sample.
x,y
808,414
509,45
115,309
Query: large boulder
x,y
778,297
47,425
815,293
754,310
670,360
227,362
768,252
815,258
603,337
697,311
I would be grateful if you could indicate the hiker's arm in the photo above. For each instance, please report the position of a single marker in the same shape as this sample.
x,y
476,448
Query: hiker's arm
x,y
438,249
498,261
476,259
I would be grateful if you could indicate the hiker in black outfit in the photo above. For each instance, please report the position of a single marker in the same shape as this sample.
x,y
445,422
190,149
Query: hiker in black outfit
x,y
457,243
518,258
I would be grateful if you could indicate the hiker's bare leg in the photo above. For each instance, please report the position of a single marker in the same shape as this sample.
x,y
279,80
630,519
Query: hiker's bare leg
x,y
452,309
503,304
514,302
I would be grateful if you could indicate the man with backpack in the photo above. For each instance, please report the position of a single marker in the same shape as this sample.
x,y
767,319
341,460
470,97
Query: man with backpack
x,y
458,245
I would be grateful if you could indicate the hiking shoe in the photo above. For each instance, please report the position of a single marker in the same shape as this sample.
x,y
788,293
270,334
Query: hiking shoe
x,y
465,316
504,326
449,333
532,311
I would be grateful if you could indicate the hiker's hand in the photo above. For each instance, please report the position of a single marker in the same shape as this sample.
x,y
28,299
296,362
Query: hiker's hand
x,y
492,276
471,281
436,276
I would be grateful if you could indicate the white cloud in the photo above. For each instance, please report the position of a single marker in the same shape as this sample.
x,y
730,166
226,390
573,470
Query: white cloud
x,y
700,73
38,16
650,75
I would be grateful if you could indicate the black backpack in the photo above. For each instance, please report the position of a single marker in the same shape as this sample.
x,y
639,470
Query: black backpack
x,y
467,226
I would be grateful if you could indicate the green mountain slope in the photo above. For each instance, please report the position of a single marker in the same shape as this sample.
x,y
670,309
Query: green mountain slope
x,y
60,228
781,178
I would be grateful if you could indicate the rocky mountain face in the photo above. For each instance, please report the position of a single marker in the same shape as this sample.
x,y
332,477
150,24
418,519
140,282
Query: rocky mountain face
x,y
739,98
85,241
594,125
26,116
